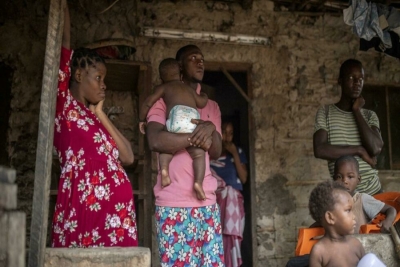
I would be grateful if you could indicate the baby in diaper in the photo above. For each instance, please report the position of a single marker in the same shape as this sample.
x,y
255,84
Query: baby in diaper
x,y
181,102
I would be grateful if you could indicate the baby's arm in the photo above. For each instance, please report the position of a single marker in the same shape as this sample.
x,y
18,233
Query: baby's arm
x,y
201,99
390,213
147,104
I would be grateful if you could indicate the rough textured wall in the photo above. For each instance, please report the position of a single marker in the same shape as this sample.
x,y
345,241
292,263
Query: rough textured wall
x,y
23,26
291,78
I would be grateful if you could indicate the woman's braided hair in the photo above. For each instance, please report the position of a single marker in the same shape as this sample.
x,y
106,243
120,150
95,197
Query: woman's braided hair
x,y
84,58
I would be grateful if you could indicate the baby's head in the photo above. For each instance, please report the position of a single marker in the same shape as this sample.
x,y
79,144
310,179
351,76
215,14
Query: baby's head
x,y
346,172
169,70
331,205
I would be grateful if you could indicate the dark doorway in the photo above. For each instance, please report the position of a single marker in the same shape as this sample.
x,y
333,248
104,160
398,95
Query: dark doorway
x,y
5,85
234,108
385,101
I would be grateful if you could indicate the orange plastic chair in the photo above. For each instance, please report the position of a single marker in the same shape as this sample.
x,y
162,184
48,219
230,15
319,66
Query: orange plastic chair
x,y
306,240
389,198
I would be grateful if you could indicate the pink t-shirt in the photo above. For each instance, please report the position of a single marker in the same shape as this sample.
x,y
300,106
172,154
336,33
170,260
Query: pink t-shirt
x,y
180,192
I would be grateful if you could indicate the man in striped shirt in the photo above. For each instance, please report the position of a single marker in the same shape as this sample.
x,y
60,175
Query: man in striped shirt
x,y
345,128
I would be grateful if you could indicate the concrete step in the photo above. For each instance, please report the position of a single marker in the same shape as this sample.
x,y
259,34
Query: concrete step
x,y
98,257
382,246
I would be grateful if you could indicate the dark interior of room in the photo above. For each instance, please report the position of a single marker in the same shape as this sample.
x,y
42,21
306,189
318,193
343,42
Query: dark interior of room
x,y
234,108
5,99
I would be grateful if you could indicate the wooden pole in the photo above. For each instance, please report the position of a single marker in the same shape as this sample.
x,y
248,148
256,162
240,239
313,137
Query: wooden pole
x,y
237,86
303,5
388,128
44,149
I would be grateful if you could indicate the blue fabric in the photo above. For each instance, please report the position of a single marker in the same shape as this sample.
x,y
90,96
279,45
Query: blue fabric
x,y
391,14
366,22
225,168
190,236
364,17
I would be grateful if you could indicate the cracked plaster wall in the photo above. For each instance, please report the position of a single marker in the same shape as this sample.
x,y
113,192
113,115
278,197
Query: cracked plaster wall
x,y
291,78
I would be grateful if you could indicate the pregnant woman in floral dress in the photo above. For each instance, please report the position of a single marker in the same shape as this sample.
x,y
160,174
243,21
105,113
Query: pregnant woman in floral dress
x,y
95,206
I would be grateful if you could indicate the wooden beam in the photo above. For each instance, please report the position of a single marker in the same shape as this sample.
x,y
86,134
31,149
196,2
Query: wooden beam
x,y
302,182
326,6
321,5
252,169
388,127
247,4
237,86
304,5
44,155
231,66
307,14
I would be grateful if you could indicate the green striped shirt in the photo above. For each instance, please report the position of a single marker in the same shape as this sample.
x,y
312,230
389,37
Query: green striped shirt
x,y
342,130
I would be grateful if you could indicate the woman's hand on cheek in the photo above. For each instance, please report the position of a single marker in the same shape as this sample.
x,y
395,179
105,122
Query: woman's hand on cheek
x,y
230,147
97,109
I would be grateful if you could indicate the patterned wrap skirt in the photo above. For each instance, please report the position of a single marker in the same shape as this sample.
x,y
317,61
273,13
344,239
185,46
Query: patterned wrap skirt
x,y
189,236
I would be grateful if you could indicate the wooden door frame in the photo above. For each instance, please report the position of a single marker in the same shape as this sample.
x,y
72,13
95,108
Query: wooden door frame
x,y
44,150
145,89
144,156
247,68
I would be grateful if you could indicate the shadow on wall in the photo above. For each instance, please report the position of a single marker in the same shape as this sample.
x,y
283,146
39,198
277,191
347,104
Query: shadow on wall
x,y
276,197
6,74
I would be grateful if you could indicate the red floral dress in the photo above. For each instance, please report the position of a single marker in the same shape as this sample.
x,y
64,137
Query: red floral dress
x,y
95,205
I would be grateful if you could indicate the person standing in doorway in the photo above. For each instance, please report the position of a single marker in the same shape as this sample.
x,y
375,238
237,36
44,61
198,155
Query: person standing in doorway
x,y
188,229
231,165
345,128
231,168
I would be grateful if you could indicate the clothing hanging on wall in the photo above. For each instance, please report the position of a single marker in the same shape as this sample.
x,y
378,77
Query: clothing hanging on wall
x,y
375,42
374,23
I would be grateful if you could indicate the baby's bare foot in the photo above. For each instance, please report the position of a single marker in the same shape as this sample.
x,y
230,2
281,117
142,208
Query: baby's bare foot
x,y
165,180
199,191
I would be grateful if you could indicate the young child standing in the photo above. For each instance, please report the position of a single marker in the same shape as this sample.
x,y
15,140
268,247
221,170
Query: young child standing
x,y
365,206
181,102
332,207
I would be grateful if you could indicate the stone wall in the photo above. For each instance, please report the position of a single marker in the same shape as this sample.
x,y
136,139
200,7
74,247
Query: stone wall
x,y
23,27
100,257
291,78
12,222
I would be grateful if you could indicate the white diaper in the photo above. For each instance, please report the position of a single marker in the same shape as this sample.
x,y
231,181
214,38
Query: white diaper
x,y
179,119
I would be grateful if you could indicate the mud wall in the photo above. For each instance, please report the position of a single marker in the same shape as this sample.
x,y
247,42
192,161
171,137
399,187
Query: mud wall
x,y
290,79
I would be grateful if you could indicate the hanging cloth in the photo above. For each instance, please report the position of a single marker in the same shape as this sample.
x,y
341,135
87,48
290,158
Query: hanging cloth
x,y
367,21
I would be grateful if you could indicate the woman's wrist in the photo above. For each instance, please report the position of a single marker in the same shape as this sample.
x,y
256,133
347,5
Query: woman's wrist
x,y
100,114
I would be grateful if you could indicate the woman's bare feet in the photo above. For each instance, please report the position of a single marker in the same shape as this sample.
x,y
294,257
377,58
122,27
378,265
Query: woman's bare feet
x,y
165,180
199,191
